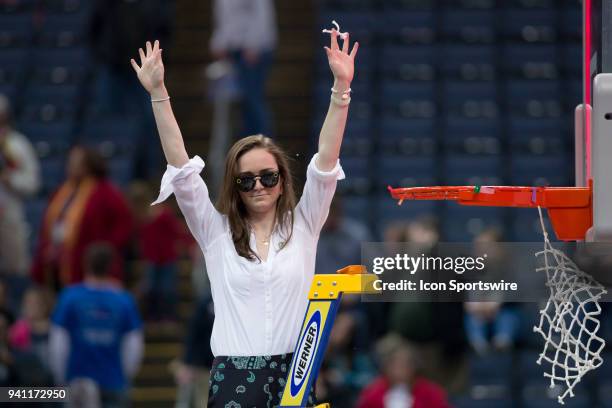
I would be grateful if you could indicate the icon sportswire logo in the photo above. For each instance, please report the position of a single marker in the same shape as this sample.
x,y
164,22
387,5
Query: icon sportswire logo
x,y
305,353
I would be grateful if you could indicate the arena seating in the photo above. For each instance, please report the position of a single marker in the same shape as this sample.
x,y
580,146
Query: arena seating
x,y
458,91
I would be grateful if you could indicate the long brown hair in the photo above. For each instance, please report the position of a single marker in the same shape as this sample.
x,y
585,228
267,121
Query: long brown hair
x,y
231,205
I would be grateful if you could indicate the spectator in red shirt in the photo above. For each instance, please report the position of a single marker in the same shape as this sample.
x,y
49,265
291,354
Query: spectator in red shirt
x,y
162,238
86,208
400,385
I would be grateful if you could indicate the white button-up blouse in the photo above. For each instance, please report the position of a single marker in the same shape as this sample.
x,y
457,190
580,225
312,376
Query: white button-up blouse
x,y
259,306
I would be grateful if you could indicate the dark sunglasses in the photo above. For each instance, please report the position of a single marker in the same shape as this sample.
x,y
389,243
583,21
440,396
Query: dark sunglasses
x,y
247,183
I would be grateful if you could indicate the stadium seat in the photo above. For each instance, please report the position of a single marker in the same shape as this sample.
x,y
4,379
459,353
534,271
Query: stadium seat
x,y
12,74
58,75
471,99
48,112
14,65
402,171
38,93
531,61
67,57
578,401
571,61
111,136
417,27
462,169
359,137
494,368
535,4
548,127
604,390
468,26
414,137
469,62
329,6
472,136
470,402
11,92
121,170
539,395
463,224
571,23
357,206
49,139
528,26
553,170
533,98
48,131
17,6
414,63
539,137
114,128
408,100
16,30
458,126
63,31
79,9
478,146
408,5
357,170
54,171
469,4
15,57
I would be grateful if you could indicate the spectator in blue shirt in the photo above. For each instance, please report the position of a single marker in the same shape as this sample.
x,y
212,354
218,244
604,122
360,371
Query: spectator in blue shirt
x,y
96,331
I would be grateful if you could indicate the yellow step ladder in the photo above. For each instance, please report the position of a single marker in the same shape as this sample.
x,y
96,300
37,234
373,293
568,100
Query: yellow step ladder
x,y
324,300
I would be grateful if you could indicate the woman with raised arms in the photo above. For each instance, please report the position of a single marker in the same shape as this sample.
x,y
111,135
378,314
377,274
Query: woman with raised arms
x,y
259,245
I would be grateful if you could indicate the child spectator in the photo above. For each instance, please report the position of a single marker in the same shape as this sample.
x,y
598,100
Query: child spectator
x,y
30,333
96,331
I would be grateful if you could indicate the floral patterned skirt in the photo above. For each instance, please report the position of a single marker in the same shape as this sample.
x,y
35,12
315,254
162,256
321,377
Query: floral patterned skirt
x,y
245,382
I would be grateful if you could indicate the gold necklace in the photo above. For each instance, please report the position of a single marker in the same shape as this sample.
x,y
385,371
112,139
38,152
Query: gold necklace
x,y
265,241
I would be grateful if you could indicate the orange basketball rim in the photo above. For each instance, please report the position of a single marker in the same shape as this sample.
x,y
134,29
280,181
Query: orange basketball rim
x,y
570,209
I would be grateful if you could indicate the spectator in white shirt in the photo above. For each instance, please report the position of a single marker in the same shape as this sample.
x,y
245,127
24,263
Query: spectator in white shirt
x,y
19,178
258,245
245,33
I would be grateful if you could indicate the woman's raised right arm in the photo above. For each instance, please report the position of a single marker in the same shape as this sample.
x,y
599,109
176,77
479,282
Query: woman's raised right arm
x,y
151,76
182,175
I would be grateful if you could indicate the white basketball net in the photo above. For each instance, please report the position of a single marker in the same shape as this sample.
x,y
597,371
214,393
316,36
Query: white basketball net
x,y
569,321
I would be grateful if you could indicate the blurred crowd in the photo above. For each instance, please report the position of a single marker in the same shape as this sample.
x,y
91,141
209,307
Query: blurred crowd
x,y
66,316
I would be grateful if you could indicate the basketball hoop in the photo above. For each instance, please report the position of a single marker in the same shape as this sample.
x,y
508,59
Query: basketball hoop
x,y
569,208
569,320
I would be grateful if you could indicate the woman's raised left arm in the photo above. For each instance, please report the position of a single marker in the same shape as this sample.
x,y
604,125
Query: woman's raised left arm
x,y
341,63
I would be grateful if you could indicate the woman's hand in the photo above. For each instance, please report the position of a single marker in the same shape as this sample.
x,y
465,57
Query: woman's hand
x,y
151,69
340,61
